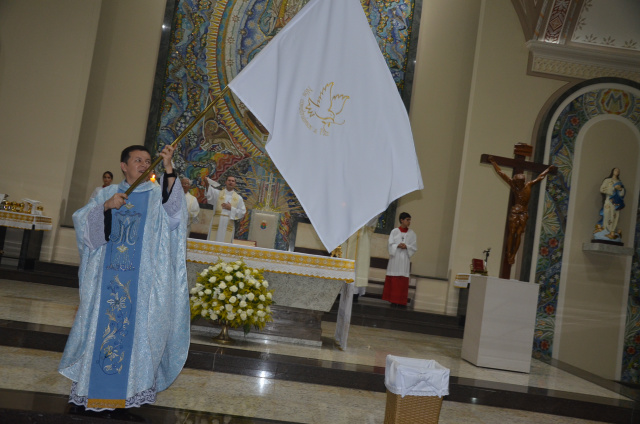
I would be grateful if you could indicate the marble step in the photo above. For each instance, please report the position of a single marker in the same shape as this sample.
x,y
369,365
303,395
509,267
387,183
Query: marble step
x,y
381,315
65,279
24,407
56,268
239,361
366,312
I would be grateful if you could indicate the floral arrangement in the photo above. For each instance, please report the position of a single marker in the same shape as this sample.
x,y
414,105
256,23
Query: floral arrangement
x,y
234,294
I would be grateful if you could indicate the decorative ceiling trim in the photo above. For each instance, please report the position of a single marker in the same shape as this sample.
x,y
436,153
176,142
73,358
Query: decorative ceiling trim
x,y
580,63
558,16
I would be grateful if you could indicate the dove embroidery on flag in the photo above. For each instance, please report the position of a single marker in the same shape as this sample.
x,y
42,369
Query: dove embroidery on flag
x,y
324,109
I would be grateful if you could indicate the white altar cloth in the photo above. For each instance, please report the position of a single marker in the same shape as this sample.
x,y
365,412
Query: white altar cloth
x,y
284,262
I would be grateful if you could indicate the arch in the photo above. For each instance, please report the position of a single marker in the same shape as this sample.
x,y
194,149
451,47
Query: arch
x,y
557,142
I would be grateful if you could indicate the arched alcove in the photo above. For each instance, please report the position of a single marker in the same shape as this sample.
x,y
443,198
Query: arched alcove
x,y
593,292
581,316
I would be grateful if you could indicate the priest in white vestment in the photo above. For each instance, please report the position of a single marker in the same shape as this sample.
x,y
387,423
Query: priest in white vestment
x,y
402,245
228,207
193,208
358,248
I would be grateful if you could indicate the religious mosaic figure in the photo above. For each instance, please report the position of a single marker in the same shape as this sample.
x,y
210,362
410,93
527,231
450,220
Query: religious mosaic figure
x,y
613,193
518,215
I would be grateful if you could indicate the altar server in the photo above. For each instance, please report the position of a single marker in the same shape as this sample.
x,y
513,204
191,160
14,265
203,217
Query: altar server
x,y
402,245
107,179
193,208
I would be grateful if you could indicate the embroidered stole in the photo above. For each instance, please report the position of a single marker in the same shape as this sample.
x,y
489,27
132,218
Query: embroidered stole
x,y
215,222
118,294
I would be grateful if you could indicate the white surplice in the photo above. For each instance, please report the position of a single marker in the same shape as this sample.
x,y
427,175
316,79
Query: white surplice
x,y
400,259
193,209
234,214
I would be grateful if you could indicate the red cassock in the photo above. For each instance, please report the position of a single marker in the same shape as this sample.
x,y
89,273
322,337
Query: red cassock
x,y
396,283
396,289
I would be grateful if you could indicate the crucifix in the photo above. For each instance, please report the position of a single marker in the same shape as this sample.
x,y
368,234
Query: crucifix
x,y
518,199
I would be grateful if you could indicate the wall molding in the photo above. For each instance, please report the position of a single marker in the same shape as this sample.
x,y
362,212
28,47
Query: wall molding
x,y
579,63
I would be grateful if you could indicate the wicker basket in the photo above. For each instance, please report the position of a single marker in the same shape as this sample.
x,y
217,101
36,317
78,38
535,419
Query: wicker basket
x,y
412,409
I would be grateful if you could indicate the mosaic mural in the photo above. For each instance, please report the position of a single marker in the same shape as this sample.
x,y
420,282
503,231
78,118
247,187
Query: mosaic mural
x,y
212,41
554,219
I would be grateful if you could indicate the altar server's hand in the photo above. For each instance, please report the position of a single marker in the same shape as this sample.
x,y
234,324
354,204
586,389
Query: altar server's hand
x,y
116,201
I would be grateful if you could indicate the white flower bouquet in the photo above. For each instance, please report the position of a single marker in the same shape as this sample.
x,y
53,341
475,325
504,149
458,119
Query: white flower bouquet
x,y
232,293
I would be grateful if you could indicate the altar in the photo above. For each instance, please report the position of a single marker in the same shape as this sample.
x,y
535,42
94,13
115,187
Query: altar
x,y
305,286
33,227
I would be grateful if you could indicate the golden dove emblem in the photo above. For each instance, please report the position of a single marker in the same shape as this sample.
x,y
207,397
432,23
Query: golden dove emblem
x,y
319,113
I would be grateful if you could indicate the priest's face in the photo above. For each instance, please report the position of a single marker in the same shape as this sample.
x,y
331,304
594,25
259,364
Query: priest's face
x,y
138,162
230,184
186,184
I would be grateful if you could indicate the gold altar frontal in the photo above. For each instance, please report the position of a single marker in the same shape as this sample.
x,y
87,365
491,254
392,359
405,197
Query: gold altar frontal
x,y
279,261
25,221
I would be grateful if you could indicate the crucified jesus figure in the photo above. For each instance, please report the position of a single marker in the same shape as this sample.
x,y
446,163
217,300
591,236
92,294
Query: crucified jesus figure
x,y
518,215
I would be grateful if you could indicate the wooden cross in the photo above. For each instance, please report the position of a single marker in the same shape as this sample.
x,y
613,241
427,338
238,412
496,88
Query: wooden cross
x,y
518,206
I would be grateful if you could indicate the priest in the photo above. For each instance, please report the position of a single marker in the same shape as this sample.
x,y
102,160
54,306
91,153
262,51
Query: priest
x,y
130,336
228,207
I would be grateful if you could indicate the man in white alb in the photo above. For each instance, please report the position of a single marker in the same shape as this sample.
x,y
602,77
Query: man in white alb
x,y
228,207
193,208
358,248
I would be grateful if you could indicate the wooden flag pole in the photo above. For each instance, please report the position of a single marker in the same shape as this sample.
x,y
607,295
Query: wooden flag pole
x,y
155,163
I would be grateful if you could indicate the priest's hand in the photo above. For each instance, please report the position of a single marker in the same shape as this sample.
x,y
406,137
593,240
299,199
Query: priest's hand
x,y
167,154
116,201
226,206
205,183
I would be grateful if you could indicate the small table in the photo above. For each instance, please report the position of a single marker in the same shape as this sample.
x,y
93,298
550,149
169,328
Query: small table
x,y
33,227
502,319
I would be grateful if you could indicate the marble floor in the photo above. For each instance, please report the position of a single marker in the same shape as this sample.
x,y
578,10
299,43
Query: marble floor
x,y
250,387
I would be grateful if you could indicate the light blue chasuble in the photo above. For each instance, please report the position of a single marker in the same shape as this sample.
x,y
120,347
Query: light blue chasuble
x,y
130,336
117,318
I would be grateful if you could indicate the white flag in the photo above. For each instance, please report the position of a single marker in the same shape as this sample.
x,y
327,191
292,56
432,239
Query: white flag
x,y
338,131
